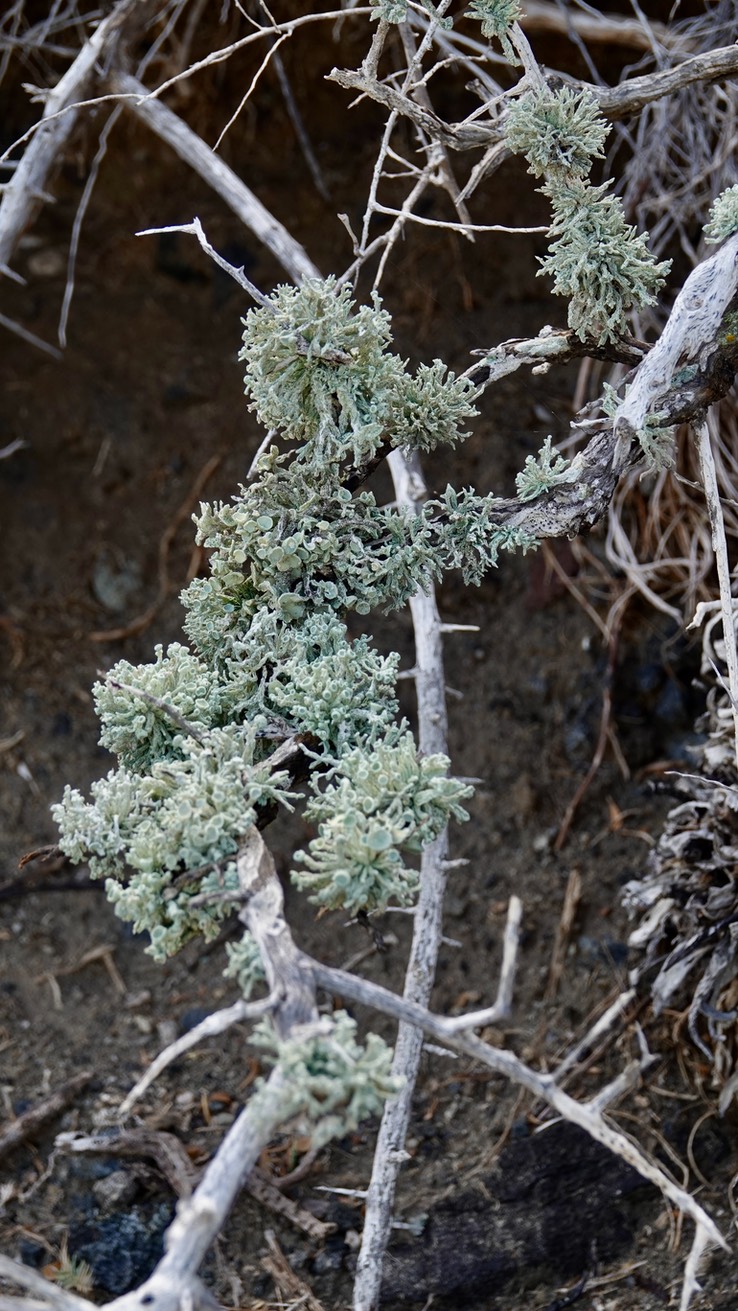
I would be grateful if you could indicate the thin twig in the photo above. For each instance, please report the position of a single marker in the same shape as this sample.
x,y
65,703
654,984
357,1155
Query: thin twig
x,y
36,1116
33,340
289,1284
61,105
210,1027
603,738
193,150
503,1003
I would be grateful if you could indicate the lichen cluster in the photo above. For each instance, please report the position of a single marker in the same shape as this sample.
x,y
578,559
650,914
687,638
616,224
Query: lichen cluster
x,y
497,17
597,260
542,472
270,656
723,221
332,1082
395,11
376,805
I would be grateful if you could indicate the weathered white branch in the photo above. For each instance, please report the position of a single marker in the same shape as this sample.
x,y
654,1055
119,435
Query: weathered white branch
x,y
688,343
427,924
510,1066
615,102
503,1004
210,1027
636,92
263,916
550,346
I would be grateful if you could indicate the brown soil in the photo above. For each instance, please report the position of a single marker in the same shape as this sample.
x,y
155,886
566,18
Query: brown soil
x,y
116,435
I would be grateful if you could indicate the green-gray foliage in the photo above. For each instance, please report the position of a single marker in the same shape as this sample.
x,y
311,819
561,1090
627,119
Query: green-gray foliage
x,y
294,552
319,371
469,535
186,813
430,408
138,732
376,804
597,260
723,221
542,472
244,964
497,17
332,1082
600,262
395,11
557,131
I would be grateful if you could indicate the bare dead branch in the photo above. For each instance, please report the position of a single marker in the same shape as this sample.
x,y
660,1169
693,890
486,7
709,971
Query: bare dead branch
x,y
193,150
210,1027
30,179
637,92
604,29
614,102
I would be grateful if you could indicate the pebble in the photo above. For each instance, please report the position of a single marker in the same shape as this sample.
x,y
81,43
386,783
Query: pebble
x,y
115,1190
122,1249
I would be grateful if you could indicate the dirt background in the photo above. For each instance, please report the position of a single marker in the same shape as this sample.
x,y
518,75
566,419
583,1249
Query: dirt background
x,y
117,435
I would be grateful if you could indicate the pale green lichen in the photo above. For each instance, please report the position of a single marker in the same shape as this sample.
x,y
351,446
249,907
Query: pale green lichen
x,y
658,442
338,691
497,17
290,556
377,804
542,472
244,964
143,831
431,407
139,732
723,220
468,534
318,370
395,11
597,260
559,131
331,1082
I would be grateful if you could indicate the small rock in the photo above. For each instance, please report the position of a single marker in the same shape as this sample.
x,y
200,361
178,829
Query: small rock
x,y
123,1249
46,263
115,581
331,1257
116,1190
166,1032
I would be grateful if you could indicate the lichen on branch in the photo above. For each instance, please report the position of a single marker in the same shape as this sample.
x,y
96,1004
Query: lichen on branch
x,y
271,657
596,259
